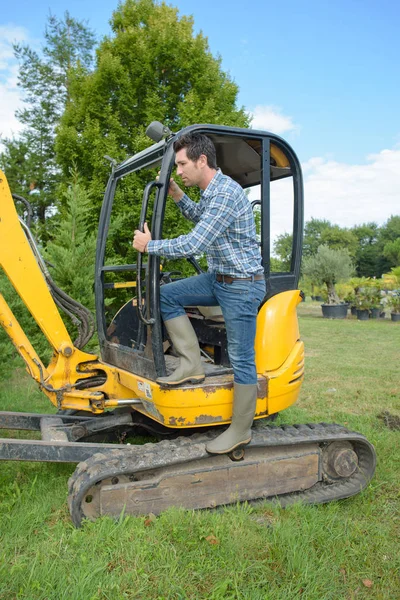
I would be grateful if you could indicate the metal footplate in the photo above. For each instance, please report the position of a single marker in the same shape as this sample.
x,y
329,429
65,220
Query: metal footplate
x,y
311,463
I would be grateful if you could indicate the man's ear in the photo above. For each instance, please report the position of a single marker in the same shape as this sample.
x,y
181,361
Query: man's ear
x,y
203,160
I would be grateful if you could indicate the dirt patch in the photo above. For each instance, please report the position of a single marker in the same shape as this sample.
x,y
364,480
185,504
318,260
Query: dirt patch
x,y
391,421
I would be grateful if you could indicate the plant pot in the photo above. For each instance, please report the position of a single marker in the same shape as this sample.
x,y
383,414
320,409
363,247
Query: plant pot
x,y
395,316
362,314
319,298
334,311
353,310
375,312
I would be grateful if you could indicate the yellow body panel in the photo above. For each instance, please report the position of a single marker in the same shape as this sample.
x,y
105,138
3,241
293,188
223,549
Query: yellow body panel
x,y
279,351
277,331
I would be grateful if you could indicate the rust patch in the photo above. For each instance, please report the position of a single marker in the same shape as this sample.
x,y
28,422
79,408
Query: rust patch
x,y
262,388
211,389
262,413
152,410
204,419
175,421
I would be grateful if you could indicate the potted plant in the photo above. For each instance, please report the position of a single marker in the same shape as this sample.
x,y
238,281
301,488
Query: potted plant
x,y
363,306
327,267
356,284
317,293
375,299
370,297
351,301
391,281
394,303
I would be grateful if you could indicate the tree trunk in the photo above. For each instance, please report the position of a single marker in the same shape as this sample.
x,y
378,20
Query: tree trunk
x,y
333,298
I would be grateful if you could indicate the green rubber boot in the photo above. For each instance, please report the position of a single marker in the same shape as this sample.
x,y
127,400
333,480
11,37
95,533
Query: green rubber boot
x,y
186,345
239,431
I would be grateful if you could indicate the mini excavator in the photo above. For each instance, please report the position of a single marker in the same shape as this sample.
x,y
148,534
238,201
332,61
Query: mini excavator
x,y
102,401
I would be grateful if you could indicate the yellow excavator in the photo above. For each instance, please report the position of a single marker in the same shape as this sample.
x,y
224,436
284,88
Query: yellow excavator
x,y
116,393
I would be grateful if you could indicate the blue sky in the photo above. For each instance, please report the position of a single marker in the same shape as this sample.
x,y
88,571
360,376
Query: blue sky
x,y
323,74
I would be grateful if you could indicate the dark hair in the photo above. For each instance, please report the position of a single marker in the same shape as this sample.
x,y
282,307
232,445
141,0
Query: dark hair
x,y
197,144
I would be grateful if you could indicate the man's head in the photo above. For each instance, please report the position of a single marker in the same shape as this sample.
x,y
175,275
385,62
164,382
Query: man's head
x,y
195,159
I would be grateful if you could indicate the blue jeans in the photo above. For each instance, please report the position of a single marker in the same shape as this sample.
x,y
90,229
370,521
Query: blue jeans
x,y
239,302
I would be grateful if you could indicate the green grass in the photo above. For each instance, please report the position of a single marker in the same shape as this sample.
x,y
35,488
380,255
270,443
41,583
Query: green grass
x,y
345,550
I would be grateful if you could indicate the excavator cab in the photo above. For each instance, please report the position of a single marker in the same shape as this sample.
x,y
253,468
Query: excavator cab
x,y
268,169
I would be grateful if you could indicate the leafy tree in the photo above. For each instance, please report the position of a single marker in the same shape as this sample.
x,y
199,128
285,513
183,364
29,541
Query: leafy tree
x,y
312,235
367,253
391,251
72,251
339,237
390,231
151,67
389,235
29,161
328,266
366,234
283,250
14,163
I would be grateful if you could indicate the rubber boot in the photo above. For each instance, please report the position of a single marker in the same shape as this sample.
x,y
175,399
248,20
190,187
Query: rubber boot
x,y
239,431
186,345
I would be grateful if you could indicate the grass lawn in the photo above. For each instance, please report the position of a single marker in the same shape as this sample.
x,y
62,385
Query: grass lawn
x,y
345,550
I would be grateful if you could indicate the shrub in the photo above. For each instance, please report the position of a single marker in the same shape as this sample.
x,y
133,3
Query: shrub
x,y
328,267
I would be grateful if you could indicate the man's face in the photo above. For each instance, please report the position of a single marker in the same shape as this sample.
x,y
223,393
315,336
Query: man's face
x,y
190,171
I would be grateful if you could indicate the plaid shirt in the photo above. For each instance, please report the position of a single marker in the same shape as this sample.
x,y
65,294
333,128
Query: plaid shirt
x,y
225,230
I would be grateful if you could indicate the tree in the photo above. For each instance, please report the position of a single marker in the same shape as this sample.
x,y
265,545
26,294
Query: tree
x,y
151,67
339,237
30,160
367,253
283,250
391,251
312,235
72,251
388,244
328,267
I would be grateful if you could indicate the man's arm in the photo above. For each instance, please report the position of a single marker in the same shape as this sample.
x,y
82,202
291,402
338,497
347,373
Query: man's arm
x,y
188,208
213,223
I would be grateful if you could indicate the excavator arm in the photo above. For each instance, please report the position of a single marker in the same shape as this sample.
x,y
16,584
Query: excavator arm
x,y
61,379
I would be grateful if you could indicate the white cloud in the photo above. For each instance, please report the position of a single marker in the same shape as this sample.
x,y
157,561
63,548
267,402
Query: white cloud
x,y
344,194
270,118
10,95
353,194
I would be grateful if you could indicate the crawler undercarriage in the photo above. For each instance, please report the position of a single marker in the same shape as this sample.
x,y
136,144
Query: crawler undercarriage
x,y
309,463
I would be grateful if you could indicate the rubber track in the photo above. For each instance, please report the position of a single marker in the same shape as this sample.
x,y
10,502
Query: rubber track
x,y
185,449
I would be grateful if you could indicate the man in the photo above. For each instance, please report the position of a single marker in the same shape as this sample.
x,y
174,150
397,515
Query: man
x,y
225,230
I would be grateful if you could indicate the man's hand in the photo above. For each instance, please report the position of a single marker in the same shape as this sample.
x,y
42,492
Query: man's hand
x,y
174,190
140,240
